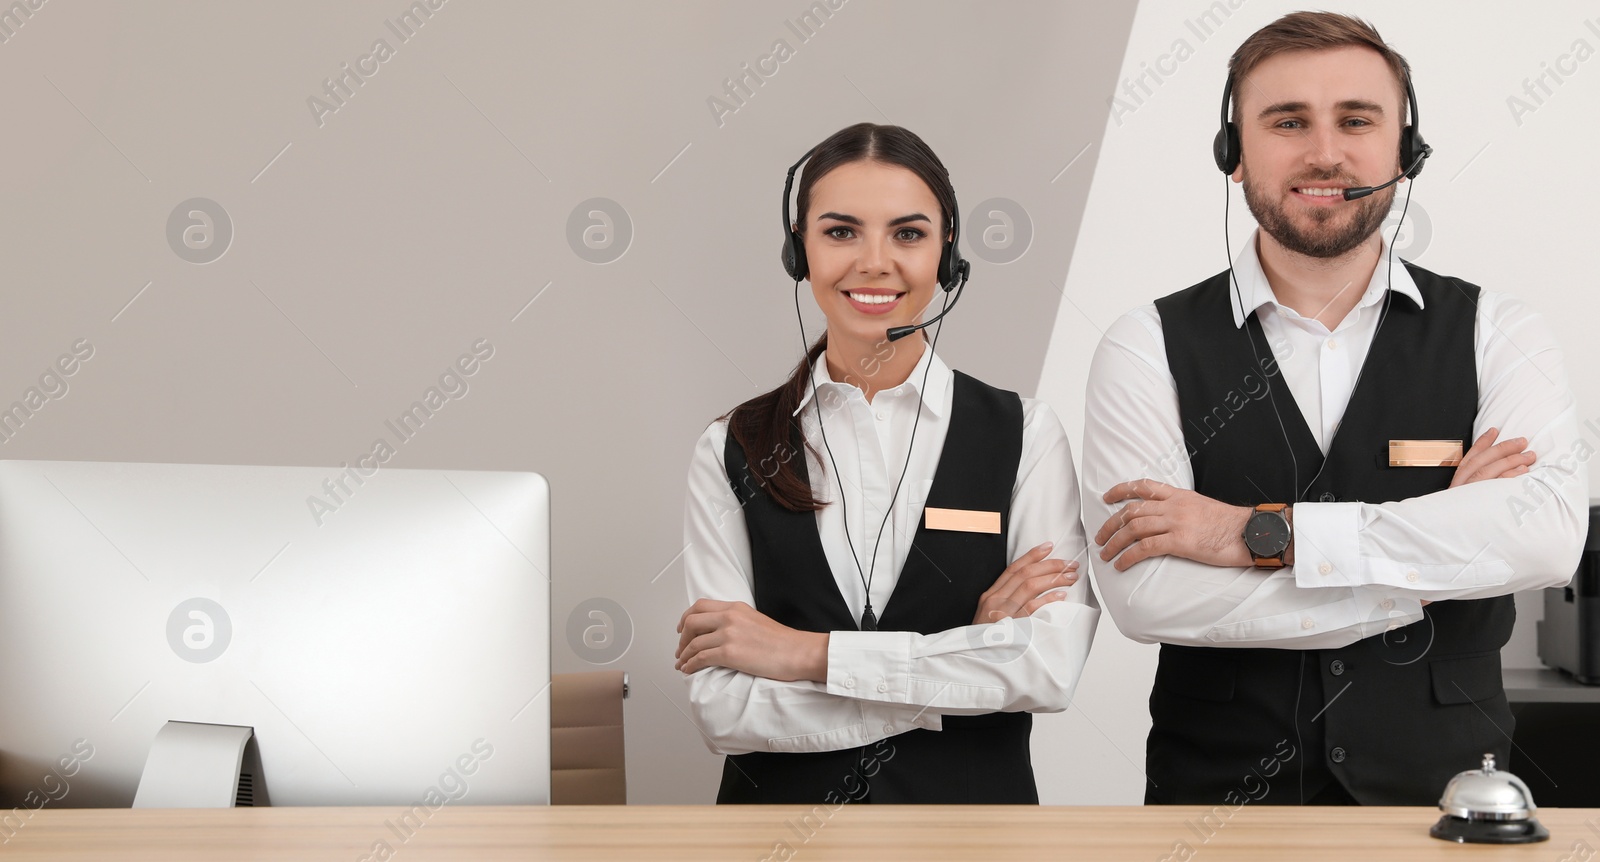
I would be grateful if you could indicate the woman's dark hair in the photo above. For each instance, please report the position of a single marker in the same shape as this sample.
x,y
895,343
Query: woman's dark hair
x,y
765,426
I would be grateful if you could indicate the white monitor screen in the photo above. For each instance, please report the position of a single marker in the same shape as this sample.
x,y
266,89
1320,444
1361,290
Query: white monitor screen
x,y
385,634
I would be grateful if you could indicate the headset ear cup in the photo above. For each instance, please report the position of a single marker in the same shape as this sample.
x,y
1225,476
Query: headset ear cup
x,y
953,268
793,257
1225,148
1411,145
959,274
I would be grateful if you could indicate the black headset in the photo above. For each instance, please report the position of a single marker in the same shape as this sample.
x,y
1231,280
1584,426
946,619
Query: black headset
x,y
1225,148
953,270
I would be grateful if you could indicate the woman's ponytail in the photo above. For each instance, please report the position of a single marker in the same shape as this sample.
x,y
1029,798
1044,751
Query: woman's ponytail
x,y
766,428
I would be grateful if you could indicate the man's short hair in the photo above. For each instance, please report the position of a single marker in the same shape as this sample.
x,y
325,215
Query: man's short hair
x,y
1313,31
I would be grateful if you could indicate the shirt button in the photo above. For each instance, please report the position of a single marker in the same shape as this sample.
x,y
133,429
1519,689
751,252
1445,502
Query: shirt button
x,y
1325,568
1336,755
1306,623
1327,497
882,416
1333,344
888,728
1337,668
1411,576
1386,604
849,682
883,686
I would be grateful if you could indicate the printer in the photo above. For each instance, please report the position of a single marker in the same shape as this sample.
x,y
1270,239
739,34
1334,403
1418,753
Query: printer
x,y
1569,635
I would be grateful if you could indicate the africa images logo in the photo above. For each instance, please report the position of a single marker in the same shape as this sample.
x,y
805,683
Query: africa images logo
x,y
199,630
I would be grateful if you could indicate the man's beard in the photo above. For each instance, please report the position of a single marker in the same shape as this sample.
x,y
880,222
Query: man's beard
x,y
1325,239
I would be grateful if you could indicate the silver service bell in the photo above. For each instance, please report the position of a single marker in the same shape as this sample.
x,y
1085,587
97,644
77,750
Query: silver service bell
x,y
1486,806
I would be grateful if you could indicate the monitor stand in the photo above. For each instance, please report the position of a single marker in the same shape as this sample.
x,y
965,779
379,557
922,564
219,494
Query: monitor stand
x,y
194,765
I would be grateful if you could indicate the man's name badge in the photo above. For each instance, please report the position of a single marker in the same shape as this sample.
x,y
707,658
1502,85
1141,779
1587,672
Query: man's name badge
x,y
961,520
1424,453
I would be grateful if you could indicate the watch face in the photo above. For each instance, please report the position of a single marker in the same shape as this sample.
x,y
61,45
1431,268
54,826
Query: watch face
x,y
1266,534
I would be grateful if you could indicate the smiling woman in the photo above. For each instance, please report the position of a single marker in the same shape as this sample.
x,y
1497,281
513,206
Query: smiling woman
x,y
792,672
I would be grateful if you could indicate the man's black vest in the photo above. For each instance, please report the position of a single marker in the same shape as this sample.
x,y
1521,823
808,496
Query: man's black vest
x,y
974,759
1390,718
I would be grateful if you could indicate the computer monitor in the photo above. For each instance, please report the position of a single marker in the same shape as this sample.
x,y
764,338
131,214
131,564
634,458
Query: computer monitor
x,y
385,632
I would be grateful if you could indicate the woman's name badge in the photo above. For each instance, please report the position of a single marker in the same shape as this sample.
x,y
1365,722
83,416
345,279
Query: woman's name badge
x,y
1424,453
961,520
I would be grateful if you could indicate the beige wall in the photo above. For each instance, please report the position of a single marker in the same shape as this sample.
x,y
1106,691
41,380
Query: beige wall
x,y
373,244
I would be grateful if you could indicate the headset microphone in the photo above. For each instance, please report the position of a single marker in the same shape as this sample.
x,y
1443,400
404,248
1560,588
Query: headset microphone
x,y
1416,168
899,332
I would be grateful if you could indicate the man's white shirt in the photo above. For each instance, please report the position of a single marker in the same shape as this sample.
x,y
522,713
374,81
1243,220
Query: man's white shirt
x,y
1360,568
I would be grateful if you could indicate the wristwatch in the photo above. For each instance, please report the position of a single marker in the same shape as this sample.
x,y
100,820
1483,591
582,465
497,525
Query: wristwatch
x,y
1267,535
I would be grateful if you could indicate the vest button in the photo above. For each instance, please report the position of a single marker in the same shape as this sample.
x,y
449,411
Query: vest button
x,y
1327,497
1336,755
1337,668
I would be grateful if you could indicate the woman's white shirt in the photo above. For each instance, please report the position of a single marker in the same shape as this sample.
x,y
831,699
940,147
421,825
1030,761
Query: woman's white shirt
x,y
884,683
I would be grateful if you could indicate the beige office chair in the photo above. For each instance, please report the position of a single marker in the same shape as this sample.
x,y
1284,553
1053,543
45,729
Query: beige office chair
x,y
586,753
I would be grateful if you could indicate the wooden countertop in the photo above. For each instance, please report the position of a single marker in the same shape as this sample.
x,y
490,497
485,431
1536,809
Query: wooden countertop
x,y
877,833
